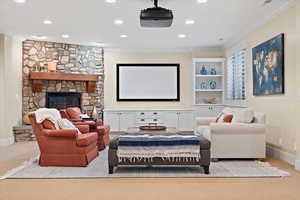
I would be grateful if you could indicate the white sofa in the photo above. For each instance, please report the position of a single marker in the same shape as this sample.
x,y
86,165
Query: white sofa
x,y
235,140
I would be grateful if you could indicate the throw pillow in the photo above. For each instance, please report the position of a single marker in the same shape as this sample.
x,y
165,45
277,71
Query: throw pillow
x,y
243,116
228,118
47,124
65,124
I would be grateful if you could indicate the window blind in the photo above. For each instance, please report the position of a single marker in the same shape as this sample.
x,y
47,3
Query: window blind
x,y
236,76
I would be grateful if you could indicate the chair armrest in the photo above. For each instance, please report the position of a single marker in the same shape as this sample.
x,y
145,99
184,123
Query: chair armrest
x,y
89,123
70,133
237,128
204,121
99,122
87,139
83,128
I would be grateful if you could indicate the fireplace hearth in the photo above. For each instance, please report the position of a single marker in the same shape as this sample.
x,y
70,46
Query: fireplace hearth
x,y
62,100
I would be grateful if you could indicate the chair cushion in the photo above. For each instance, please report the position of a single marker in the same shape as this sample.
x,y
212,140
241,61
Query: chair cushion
x,y
74,113
86,139
243,116
47,124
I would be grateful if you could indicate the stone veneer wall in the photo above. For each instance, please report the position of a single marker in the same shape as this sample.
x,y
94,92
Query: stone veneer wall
x,y
70,59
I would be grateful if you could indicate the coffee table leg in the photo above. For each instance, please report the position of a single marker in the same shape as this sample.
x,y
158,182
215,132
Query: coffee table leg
x,y
110,169
206,169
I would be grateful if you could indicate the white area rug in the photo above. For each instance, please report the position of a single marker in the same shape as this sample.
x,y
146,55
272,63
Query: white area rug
x,y
99,169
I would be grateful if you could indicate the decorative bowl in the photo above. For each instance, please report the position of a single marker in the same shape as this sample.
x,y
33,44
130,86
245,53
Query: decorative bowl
x,y
153,128
209,100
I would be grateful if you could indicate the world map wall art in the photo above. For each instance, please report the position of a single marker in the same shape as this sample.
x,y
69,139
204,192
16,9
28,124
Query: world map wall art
x,y
268,67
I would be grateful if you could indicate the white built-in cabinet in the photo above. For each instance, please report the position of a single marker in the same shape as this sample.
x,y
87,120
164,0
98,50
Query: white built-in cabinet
x,y
121,120
202,88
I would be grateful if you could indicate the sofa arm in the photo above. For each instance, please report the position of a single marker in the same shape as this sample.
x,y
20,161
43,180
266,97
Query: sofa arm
x,y
205,121
83,128
237,128
70,133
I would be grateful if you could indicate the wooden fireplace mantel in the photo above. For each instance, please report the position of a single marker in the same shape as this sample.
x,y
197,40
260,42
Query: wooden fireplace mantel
x,y
37,78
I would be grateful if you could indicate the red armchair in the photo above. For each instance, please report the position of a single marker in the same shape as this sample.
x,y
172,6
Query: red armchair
x,y
73,114
64,147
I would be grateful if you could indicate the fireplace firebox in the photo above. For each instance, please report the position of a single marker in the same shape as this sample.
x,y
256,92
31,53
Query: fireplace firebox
x,y
62,100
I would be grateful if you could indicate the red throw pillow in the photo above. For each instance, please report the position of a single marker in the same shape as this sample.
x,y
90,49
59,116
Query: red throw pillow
x,y
74,113
47,124
228,118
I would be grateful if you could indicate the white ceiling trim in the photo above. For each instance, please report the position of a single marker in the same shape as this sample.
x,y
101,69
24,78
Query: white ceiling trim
x,y
165,50
264,21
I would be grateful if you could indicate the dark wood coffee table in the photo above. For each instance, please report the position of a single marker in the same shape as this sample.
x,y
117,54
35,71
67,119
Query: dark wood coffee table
x,y
136,130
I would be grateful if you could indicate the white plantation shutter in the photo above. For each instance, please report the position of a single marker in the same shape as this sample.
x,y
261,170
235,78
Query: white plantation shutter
x,y
236,76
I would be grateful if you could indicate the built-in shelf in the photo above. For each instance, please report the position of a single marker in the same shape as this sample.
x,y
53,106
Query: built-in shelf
x,y
37,78
209,90
208,76
202,83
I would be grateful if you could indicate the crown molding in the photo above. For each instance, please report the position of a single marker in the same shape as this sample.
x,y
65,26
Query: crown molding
x,y
164,50
247,31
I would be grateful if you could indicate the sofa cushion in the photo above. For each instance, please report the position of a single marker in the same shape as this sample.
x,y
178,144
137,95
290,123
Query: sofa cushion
x,y
47,124
74,113
86,139
243,116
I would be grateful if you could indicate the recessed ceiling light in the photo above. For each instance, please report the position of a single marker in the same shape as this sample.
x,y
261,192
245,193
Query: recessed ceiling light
x,y
123,36
202,1
189,21
182,36
111,1
47,22
20,1
38,37
65,36
118,22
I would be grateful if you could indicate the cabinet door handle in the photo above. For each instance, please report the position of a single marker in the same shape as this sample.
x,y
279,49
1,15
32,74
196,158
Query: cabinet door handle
x,y
155,113
155,120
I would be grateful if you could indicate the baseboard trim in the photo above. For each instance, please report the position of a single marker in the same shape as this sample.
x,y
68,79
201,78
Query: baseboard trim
x,y
297,165
281,155
7,142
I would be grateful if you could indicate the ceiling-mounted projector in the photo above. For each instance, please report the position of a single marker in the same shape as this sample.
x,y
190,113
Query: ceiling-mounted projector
x,y
156,17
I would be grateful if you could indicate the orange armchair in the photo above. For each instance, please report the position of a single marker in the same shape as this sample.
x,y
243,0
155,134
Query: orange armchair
x,y
64,147
73,114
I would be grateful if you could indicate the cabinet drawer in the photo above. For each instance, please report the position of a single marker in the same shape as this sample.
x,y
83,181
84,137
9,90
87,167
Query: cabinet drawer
x,y
148,114
147,121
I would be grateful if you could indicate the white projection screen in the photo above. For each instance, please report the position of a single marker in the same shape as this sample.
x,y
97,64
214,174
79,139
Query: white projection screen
x,y
148,82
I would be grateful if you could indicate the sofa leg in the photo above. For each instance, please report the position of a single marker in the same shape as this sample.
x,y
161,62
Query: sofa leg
x,y
206,169
110,169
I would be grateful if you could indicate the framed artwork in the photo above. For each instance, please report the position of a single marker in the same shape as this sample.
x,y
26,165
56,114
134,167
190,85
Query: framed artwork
x,y
268,67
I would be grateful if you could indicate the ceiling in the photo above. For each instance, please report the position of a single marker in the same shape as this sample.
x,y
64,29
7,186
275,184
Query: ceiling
x,y
90,21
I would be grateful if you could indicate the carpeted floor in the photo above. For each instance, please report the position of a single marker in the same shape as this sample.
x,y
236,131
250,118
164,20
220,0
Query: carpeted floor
x,y
98,169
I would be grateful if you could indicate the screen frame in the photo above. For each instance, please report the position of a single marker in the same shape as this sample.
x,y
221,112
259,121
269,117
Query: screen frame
x,y
148,65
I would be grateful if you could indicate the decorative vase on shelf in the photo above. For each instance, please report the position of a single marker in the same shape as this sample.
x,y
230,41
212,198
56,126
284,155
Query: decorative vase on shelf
x,y
203,86
213,71
213,84
94,113
203,70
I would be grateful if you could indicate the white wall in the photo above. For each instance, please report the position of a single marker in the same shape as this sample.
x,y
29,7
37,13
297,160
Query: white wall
x,y
183,58
11,86
280,109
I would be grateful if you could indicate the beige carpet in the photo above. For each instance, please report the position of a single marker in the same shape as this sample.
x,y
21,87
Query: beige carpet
x,y
99,169
143,188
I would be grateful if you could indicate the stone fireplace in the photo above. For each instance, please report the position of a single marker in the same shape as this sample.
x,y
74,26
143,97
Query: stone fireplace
x,y
71,59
